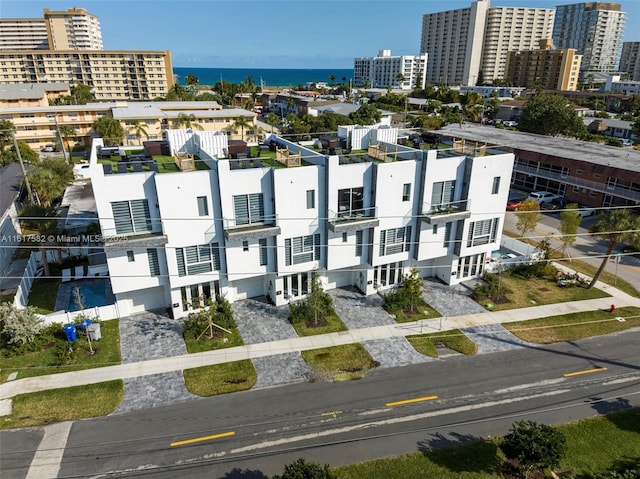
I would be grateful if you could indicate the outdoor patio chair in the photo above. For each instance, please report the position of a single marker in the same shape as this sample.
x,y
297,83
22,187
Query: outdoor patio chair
x,y
153,166
258,163
137,166
106,167
122,167
66,275
79,272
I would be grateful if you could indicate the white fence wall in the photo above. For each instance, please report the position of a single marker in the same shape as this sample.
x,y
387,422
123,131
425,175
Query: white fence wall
x,y
103,313
21,299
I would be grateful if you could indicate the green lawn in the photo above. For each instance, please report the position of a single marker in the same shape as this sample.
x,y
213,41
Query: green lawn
x,y
593,445
225,340
522,292
333,325
424,311
43,294
45,361
220,378
66,404
570,327
453,339
339,363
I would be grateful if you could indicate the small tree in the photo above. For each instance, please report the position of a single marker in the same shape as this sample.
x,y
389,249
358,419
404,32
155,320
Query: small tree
x,y
302,469
316,299
272,119
528,216
569,221
21,326
110,129
535,446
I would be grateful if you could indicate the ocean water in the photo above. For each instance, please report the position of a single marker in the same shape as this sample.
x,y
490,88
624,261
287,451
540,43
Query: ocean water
x,y
269,76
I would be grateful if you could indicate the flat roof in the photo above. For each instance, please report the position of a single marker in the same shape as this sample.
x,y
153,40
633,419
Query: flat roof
x,y
624,158
29,91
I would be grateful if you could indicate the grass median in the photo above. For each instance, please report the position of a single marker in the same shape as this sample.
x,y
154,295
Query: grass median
x,y
220,378
65,404
454,339
339,363
574,326
593,445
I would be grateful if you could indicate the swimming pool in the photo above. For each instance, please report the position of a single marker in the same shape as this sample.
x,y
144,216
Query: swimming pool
x,y
93,293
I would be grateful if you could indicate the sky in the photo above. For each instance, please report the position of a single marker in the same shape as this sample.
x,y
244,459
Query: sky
x,y
271,33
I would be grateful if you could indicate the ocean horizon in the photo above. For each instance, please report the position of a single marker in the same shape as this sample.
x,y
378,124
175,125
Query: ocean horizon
x,y
269,77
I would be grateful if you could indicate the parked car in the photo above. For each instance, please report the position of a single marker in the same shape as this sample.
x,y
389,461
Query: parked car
x,y
586,211
515,202
510,123
48,149
543,196
555,204
626,142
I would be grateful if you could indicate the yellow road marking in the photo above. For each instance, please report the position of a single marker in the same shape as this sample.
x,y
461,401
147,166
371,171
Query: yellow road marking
x,y
331,413
409,401
586,371
200,439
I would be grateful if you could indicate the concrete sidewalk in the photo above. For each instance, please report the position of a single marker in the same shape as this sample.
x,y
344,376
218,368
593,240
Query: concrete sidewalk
x,y
297,344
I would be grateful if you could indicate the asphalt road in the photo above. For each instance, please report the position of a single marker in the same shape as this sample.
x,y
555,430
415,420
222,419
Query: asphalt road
x,y
586,247
254,433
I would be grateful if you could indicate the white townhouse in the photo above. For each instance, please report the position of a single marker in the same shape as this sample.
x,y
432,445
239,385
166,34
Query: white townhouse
x,y
253,227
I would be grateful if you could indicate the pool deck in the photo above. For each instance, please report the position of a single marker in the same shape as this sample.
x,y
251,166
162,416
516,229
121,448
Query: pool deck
x,y
65,289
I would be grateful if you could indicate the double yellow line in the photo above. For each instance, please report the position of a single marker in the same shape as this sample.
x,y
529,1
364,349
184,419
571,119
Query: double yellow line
x,y
201,439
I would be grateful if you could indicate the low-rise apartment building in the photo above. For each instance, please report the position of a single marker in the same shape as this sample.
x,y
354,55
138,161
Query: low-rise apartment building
x,y
583,172
406,72
615,84
37,126
244,229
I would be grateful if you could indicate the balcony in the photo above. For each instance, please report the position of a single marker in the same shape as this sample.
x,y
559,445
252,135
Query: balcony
x,y
243,230
151,236
441,213
353,220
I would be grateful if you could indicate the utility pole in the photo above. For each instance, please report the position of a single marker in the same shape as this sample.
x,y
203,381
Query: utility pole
x,y
64,151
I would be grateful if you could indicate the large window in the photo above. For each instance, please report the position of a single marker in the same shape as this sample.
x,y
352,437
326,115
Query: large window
x,y
351,202
443,193
249,209
302,249
482,232
198,259
131,216
395,240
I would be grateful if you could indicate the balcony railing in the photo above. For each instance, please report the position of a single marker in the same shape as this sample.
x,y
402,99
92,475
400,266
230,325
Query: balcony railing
x,y
353,220
241,229
439,213
151,237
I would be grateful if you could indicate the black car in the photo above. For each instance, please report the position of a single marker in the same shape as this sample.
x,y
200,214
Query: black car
x,y
557,204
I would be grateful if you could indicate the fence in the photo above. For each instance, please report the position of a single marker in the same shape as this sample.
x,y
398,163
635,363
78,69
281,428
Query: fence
x,y
109,311
21,299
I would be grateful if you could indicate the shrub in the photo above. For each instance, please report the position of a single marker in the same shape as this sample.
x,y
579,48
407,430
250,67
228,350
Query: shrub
x,y
219,312
408,296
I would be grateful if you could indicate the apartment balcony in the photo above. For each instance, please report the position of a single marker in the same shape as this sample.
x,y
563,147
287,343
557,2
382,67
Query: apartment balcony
x,y
353,220
149,235
244,229
441,213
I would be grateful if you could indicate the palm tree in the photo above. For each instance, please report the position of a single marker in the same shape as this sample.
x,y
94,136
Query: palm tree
x,y
139,128
615,226
332,78
188,121
67,132
400,78
44,220
241,122
272,119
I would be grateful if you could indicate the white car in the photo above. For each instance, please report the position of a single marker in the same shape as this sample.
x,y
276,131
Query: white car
x,y
542,196
510,123
586,211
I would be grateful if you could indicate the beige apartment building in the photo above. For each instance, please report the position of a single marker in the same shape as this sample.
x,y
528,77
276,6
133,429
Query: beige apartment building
x,y
73,29
512,29
112,74
630,60
546,67
37,125
470,45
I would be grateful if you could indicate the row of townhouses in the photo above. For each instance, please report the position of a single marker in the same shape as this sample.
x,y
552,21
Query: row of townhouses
x,y
242,229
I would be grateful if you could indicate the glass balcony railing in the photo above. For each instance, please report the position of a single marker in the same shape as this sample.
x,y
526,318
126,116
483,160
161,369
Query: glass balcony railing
x,y
351,219
240,229
444,212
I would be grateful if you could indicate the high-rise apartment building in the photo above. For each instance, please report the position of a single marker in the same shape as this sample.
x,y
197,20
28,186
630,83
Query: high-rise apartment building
x,y
630,60
453,42
406,72
512,29
73,29
470,45
111,74
595,30
545,67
